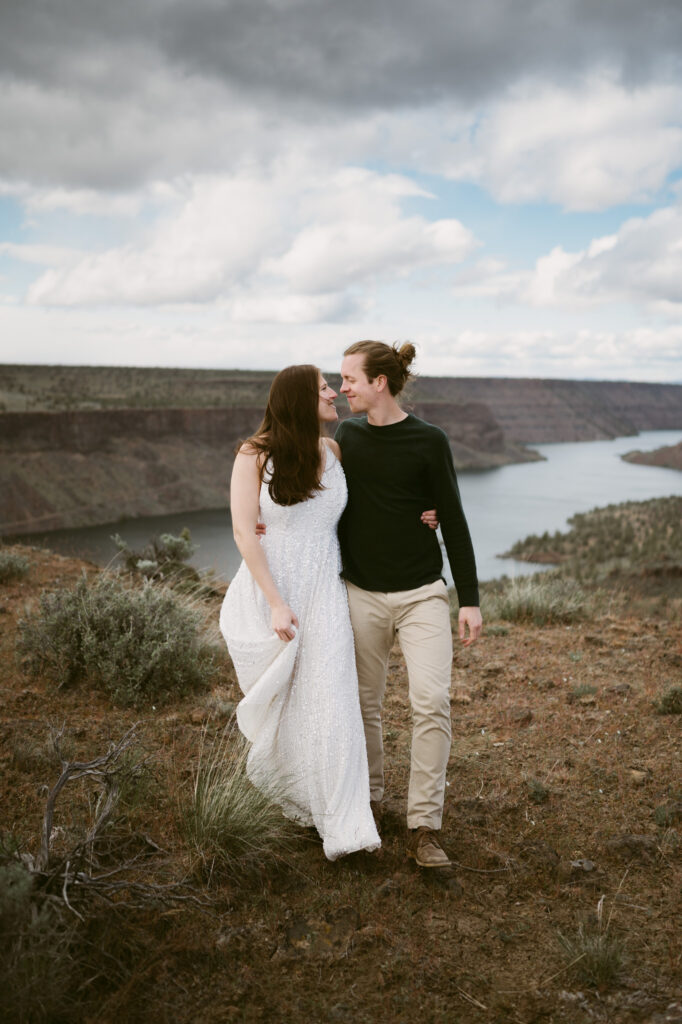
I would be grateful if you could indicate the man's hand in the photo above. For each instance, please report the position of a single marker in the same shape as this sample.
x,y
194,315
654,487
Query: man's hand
x,y
471,618
430,518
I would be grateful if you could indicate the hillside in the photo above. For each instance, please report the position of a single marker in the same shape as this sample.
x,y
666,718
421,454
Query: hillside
x,y
88,445
84,467
563,815
669,457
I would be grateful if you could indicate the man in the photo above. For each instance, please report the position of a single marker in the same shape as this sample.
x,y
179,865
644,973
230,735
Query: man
x,y
396,465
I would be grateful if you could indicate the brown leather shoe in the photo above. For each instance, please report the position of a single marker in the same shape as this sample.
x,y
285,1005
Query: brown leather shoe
x,y
423,846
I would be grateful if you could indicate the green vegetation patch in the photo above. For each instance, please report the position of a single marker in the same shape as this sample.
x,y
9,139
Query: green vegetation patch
x,y
140,645
543,599
632,535
671,702
12,566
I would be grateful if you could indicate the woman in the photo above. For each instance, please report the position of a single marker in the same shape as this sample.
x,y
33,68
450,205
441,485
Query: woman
x,y
285,619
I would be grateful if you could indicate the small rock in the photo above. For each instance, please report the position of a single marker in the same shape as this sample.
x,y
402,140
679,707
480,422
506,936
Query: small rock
x,y
638,777
493,668
582,865
386,887
197,716
587,701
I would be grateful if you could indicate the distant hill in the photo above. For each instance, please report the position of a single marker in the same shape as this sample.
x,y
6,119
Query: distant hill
x,y
87,445
529,410
669,457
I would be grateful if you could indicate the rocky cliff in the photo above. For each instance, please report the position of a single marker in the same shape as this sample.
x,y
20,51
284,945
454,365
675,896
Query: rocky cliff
x,y
80,468
545,411
90,465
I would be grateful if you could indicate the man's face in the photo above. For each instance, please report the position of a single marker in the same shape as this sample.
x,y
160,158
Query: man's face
x,y
361,394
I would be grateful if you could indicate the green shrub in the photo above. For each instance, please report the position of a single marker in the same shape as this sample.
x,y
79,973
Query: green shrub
x,y
141,645
671,702
542,599
162,558
537,791
12,566
230,825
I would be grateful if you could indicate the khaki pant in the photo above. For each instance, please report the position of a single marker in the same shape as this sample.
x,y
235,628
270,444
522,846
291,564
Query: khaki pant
x,y
421,619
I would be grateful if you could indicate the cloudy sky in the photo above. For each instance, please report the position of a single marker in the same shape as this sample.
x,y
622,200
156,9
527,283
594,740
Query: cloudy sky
x,y
249,183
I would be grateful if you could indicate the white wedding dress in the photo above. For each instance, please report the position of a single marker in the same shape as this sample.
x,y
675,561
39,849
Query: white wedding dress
x,y
301,710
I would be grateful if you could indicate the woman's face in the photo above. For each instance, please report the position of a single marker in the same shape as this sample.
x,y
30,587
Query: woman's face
x,y
326,410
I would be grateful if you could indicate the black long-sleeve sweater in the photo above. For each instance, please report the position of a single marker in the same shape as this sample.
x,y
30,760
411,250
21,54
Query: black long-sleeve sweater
x,y
394,473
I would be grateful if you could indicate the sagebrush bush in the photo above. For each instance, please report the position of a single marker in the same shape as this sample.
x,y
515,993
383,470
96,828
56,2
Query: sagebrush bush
x,y
542,599
141,645
230,825
12,566
162,557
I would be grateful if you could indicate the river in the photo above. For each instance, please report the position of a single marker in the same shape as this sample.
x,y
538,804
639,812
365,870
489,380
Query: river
x,y
502,505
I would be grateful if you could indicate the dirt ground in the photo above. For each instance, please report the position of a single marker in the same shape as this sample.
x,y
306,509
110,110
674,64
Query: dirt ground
x,y
563,812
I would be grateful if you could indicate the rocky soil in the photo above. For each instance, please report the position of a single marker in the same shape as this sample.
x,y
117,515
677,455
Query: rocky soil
x,y
563,810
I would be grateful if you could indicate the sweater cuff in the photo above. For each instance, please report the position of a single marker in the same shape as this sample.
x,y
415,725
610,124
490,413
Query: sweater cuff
x,y
468,597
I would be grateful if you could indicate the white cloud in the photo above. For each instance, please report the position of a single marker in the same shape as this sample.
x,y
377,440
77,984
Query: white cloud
x,y
294,242
42,255
590,146
640,265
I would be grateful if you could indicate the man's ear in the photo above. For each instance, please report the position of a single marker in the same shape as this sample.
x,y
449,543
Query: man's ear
x,y
380,382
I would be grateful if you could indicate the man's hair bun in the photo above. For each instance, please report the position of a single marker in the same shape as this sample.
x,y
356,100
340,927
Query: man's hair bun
x,y
405,356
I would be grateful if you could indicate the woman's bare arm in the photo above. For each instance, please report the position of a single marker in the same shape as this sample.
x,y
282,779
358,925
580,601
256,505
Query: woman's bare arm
x,y
244,501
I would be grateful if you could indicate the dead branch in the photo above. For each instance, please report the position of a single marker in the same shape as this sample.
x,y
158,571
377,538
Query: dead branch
x,y
101,768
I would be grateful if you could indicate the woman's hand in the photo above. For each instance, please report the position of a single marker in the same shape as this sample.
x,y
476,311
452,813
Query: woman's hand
x,y
284,622
430,518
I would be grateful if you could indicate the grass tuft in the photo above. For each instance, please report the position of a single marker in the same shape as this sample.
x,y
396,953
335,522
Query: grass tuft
x,y
594,952
12,566
537,791
671,702
230,826
543,599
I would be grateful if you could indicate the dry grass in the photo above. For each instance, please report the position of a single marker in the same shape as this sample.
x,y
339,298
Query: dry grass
x,y
547,803
230,826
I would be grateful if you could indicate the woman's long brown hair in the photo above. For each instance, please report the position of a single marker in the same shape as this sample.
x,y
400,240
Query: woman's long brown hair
x,y
290,435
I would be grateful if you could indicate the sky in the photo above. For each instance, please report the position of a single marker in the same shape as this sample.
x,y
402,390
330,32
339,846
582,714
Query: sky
x,y
252,183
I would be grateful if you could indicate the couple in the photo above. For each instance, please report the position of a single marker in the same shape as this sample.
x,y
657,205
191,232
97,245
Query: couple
x,y
286,619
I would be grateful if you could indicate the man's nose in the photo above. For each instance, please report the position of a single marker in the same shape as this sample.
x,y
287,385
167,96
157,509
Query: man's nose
x,y
344,388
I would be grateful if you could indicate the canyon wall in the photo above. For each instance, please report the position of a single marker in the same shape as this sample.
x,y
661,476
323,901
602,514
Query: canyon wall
x,y
82,467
